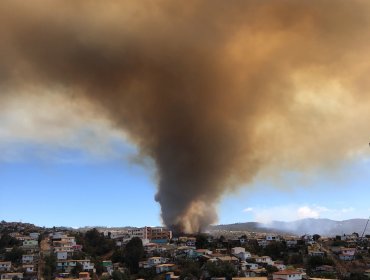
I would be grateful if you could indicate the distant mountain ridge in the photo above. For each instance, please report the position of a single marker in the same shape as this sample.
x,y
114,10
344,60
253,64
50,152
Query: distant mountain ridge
x,y
324,227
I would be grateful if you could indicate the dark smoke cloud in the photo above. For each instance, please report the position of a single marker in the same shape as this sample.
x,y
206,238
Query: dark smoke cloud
x,y
212,91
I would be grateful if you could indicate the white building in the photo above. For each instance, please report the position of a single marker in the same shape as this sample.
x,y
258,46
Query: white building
x,y
62,255
165,267
69,264
248,266
10,276
5,266
280,265
28,259
34,235
264,259
237,250
153,261
30,243
29,268
271,237
287,275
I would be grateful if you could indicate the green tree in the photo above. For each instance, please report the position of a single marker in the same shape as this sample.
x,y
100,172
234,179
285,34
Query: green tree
x,y
221,270
49,267
190,270
7,241
77,269
118,275
118,256
316,237
15,255
275,249
133,253
95,244
316,261
271,269
201,241
147,274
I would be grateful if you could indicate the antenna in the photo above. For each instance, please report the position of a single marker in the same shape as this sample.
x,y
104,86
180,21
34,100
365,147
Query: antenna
x,y
365,228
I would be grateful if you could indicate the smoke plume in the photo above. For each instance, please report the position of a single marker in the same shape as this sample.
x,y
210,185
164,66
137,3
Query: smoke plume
x,y
213,91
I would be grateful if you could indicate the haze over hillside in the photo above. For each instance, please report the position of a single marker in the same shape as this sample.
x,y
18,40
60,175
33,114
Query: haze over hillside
x,y
324,227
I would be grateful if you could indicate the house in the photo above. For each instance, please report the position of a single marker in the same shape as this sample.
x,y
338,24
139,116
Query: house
x,y
237,250
11,276
240,253
30,243
165,267
264,259
34,235
279,265
28,259
262,242
5,266
84,276
348,251
346,257
108,266
243,256
191,242
288,274
291,243
227,259
62,255
67,265
325,268
64,249
249,278
29,268
170,276
316,253
201,252
153,261
272,238
255,272
248,266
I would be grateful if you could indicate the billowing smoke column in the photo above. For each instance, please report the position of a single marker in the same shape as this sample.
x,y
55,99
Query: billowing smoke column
x,y
212,91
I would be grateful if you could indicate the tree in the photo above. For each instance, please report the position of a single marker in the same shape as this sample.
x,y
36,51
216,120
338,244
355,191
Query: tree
x,y
118,256
294,259
15,255
201,241
271,269
147,274
316,237
7,241
77,269
221,270
50,267
190,270
275,249
118,275
316,261
96,244
133,253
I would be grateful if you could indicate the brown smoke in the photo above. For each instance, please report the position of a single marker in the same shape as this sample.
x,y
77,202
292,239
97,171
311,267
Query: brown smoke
x,y
212,91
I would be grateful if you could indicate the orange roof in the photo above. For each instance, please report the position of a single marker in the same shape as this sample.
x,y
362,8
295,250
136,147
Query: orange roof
x,y
287,272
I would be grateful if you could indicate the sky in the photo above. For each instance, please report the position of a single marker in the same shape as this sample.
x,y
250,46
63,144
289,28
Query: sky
x,y
72,187
184,114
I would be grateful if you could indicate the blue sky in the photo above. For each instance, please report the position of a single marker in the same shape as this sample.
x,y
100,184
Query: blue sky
x,y
83,171
72,187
